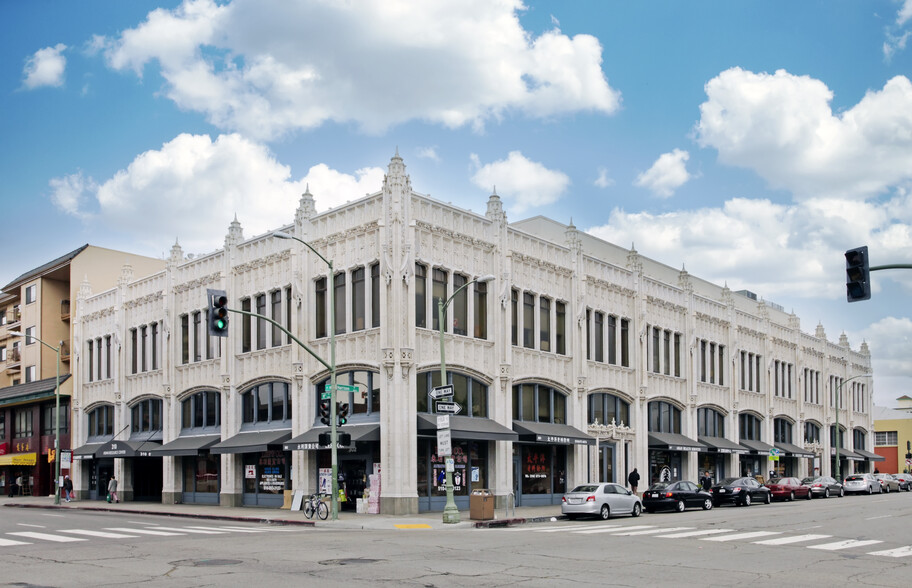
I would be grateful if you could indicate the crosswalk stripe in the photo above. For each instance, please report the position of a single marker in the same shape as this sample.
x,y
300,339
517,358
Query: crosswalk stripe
x,y
227,529
145,532
601,529
101,534
739,536
563,528
847,544
11,542
789,540
899,552
653,531
191,530
46,536
632,529
695,533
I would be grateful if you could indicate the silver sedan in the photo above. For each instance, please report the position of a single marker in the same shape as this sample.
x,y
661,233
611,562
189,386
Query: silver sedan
x,y
888,482
600,500
862,483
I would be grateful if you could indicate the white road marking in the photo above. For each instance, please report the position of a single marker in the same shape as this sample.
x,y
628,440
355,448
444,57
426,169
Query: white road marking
x,y
190,530
101,534
739,536
847,544
899,552
659,530
226,529
144,531
695,533
562,528
619,529
46,537
601,529
36,526
10,542
794,539
880,517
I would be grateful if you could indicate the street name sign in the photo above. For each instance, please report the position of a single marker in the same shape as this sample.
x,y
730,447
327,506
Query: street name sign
x,y
342,387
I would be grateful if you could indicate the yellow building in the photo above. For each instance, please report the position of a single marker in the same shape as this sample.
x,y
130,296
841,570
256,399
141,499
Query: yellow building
x,y
893,436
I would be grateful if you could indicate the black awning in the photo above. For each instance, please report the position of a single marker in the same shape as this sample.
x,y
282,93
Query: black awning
x,y
127,448
187,446
252,442
756,446
721,444
793,450
674,442
87,451
552,433
463,427
846,454
311,439
870,456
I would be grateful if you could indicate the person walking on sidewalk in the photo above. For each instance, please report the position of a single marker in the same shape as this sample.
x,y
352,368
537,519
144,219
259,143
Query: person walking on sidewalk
x,y
112,490
633,479
67,488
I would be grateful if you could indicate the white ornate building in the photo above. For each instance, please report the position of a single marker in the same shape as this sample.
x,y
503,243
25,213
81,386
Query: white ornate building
x,y
578,362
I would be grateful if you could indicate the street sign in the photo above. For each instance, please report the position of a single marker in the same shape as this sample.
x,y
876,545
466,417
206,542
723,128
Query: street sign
x,y
443,421
448,407
326,395
774,454
444,443
441,392
341,387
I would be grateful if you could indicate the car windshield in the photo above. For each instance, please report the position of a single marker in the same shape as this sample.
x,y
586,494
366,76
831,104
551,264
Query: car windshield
x,y
659,486
808,480
585,488
729,481
778,481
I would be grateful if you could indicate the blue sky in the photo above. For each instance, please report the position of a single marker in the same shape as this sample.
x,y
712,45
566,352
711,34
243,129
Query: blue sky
x,y
750,142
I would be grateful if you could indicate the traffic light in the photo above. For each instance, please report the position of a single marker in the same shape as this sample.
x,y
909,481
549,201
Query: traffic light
x,y
341,413
217,314
324,412
345,439
324,439
858,274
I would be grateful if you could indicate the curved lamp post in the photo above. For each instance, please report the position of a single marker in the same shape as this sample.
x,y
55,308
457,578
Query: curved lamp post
x,y
334,499
56,411
838,402
450,512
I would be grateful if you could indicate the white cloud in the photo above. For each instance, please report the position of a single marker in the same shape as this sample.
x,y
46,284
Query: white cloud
x,y
45,68
782,127
667,174
905,13
525,183
274,66
193,187
429,153
890,343
603,180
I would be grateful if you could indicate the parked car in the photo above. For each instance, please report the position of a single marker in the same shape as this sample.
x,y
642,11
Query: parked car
x,y
905,481
887,482
740,491
862,484
824,486
676,496
788,488
600,500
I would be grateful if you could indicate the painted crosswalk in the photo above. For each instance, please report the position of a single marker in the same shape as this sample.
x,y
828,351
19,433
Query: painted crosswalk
x,y
816,541
16,538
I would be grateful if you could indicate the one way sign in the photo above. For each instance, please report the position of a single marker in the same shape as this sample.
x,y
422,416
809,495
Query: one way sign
x,y
448,407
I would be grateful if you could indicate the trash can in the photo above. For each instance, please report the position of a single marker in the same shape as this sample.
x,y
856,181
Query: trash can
x,y
481,505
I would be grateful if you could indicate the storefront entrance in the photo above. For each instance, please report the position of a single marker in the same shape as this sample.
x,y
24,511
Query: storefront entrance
x,y
606,462
201,479
266,477
539,473
471,472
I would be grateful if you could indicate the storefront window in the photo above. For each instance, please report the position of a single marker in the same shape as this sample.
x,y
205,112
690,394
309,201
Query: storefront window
x,y
471,468
544,469
265,472
201,473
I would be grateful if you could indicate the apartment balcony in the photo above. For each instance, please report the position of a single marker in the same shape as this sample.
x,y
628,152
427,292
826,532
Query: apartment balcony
x,y
13,360
65,310
65,351
13,316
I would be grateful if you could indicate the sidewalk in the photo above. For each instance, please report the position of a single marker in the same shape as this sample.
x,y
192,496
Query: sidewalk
x,y
347,520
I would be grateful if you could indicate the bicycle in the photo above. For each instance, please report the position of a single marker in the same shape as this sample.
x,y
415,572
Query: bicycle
x,y
315,504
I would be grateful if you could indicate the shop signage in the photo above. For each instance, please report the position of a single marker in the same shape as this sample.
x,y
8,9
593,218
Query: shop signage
x,y
556,439
774,454
444,442
114,451
441,392
250,472
449,407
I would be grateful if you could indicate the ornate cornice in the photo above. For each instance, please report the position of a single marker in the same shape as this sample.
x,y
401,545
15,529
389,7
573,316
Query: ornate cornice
x,y
455,235
270,259
662,303
143,300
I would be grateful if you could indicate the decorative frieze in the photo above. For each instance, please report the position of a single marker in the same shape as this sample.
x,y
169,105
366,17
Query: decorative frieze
x,y
143,300
200,282
541,263
261,262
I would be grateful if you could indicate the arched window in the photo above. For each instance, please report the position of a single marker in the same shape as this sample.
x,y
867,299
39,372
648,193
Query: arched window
x,y
365,400
605,407
536,402
782,431
470,394
664,417
749,426
833,436
710,422
811,432
146,416
101,421
267,404
201,411
858,438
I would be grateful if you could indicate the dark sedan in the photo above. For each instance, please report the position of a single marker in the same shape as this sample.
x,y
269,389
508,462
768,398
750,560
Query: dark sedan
x,y
787,488
824,486
740,491
676,496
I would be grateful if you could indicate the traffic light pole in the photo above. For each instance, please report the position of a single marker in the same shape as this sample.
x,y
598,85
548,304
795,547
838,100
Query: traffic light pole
x,y
838,403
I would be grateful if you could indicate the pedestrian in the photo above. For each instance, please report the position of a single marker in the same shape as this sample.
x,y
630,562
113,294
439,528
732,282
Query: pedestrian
x,y
19,485
633,479
706,482
12,487
112,490
67,488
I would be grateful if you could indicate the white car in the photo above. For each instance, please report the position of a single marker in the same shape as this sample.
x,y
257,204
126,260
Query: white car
x,y
862,483
601,499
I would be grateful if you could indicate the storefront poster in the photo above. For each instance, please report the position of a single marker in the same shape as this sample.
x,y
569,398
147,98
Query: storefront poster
x,y
250,472
325,480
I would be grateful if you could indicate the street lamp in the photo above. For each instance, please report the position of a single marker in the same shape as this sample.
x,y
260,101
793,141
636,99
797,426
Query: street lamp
x,y
334,499
838,402
450,512
56,412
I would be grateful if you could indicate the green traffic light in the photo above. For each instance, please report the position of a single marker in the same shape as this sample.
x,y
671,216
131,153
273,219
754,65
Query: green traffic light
x,y
220,324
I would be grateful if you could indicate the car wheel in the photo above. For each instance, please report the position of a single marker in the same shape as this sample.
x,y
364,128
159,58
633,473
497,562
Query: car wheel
x,y
792,497
826,493
707,504
605,513
747,500
637,509
680,506
870,491
886,489
810,495
841,492
768,498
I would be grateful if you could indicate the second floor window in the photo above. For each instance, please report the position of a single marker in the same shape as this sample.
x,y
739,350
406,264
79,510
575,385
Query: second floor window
x,y
101,421
811,433
605,408
22,423
268,403
201,411
146,416
710,422
782,431
664,417
536,402
749,427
